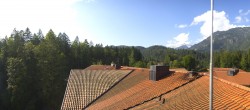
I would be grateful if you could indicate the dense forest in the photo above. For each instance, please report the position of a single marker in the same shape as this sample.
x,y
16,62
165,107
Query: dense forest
x,y
175,58
34,68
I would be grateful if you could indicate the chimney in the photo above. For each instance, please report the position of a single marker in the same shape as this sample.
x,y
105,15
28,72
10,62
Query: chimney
x,y
232,71
158,72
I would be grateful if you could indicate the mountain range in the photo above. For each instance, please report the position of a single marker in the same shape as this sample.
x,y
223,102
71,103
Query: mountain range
x,y
232,39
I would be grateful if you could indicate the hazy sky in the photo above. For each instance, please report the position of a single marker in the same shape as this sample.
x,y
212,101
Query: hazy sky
x,y
125,22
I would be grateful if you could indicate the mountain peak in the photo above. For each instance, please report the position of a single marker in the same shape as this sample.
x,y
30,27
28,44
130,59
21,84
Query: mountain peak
x,y
184,46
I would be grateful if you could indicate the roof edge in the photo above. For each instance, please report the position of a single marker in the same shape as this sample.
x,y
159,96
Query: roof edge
x,y
66,89
230,83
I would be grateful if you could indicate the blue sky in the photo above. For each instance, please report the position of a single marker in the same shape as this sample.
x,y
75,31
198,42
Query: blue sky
x,y
171,23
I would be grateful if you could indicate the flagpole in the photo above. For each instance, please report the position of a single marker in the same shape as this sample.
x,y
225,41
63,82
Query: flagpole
x,y
211,60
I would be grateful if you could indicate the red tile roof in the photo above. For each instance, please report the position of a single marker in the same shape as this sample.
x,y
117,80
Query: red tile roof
x,y
137,88
195,96
100,67
242,78
84,86
182,70
102,87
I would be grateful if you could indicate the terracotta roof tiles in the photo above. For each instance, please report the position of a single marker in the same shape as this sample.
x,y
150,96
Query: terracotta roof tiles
x,y
241,78
100,67
103,87
136,88
195,96
84,86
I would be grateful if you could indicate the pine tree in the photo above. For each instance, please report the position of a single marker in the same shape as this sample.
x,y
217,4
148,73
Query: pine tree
x,y
52,67
17,85
167,60
244,64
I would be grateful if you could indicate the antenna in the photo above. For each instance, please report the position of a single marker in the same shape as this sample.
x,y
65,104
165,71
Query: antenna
x,y
211,60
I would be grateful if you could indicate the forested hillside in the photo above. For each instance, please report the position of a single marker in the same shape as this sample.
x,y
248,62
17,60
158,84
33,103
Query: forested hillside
x,y
233,39
199,60
174,57
238,59
34,68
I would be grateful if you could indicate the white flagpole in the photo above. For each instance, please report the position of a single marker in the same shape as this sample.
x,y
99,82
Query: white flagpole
x,y
211,60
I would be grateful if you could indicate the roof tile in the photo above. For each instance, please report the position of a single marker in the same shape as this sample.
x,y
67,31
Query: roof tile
x,y
241,78
129,93
195,96
84,86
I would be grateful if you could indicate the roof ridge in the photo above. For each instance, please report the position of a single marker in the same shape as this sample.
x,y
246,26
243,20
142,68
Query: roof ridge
x,y
230,83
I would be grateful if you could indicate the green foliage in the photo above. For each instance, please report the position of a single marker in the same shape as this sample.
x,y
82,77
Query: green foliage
x,y
188,62
154,53
176,64
225,59
244,63
140,64
167,60
229,59
34,68
17,82
135,55
173,57
217,59
4,94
